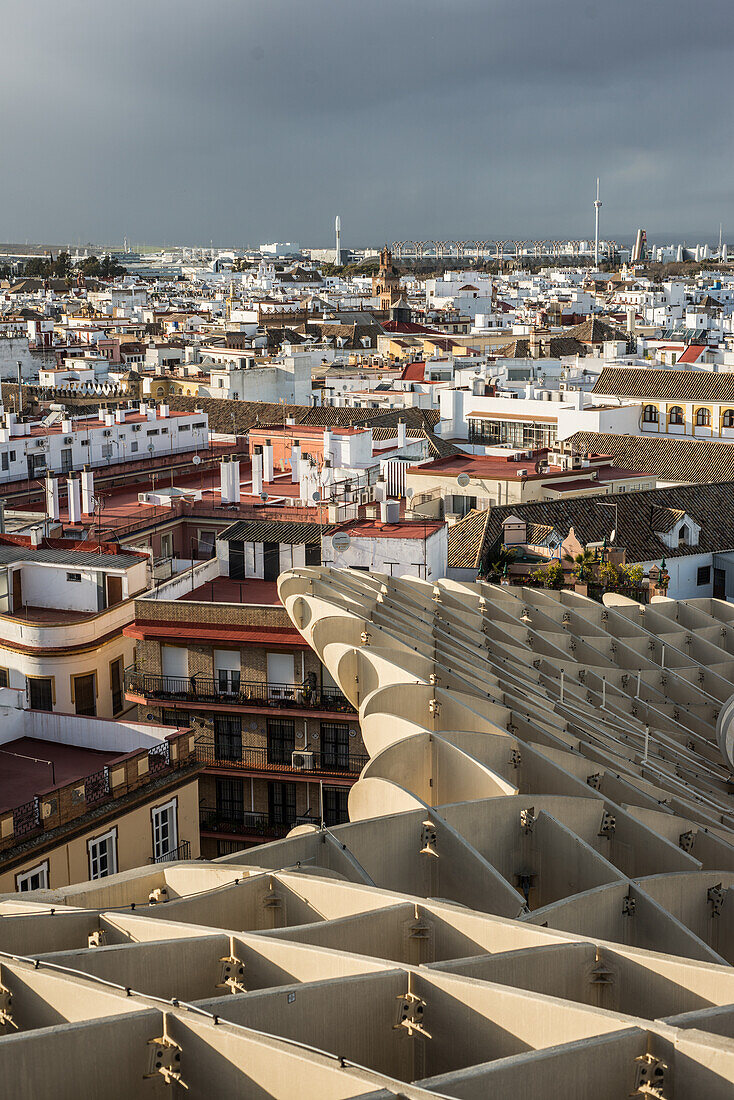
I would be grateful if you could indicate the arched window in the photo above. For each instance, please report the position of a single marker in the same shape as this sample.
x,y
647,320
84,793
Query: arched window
x,y
650,414
675,415
703,418
684,535
727,419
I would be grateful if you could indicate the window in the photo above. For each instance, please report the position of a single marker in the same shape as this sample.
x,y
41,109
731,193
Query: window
x,y
281,741
35,879
703,418
4,678
703,575
74,578
313,553
335,805
230,800
165,830
675,415
650,414
175,718
84,694
684,534
134,445
335,745
227,737
103,855
5,462
200,426
227,671
184,427
106,450
116,680
282,803
152,431
41,693
727,419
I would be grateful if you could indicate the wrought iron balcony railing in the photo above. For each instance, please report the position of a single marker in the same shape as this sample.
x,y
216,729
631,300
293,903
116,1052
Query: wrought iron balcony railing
x,y
182,851
233,691
319,762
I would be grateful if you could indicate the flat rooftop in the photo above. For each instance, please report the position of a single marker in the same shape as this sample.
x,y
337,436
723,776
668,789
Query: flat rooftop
x,y
226,590
29,765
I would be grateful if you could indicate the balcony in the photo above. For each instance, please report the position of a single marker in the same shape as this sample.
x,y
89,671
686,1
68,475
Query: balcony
x,y
318,763
249,694
183,851
246,824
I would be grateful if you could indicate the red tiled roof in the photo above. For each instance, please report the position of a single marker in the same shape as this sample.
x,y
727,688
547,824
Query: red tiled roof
x,y
414,372
692,353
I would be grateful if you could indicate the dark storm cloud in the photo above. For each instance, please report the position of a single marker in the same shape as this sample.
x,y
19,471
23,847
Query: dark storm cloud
x,y
248,120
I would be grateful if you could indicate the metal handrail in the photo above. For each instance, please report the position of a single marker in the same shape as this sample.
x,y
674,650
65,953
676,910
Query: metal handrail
x,y
271,759
231,689
181,851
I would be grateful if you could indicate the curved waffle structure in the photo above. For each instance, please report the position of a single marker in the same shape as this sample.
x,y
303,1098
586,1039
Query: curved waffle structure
x,y
532,897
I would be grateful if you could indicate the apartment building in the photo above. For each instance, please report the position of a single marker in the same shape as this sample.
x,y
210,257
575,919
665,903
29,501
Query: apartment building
x,y
84,798
278,741
63,607
674,403
60,443
454,485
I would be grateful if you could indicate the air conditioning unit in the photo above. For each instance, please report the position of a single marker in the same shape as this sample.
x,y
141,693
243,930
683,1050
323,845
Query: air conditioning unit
x,y
137,427
68,439
107,431
302,761
40,442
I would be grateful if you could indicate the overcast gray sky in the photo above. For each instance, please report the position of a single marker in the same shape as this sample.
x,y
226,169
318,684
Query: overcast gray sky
x,y
245,121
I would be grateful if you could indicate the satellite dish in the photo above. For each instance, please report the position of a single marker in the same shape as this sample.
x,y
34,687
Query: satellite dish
x,y
196,460
409,492
263,496
613,535
462,480
340,541
316,497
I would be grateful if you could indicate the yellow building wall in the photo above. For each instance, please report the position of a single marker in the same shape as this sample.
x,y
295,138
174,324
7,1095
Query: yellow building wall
x,y
69,862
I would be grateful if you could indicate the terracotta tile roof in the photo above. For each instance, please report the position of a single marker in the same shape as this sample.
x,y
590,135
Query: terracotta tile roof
x,y
466,539
640,516
666,385
694,460
692,353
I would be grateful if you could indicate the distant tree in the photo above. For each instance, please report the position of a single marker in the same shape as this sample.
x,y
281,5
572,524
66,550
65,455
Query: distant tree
x,y
61,266
89,266
552,576
37,268
583,565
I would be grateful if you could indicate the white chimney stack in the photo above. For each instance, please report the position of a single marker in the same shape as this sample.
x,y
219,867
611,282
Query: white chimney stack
x,y
295,463
163,411
257,473
74,499
224,480
87,491
327,444
402,434
234,480
268,462
52,498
